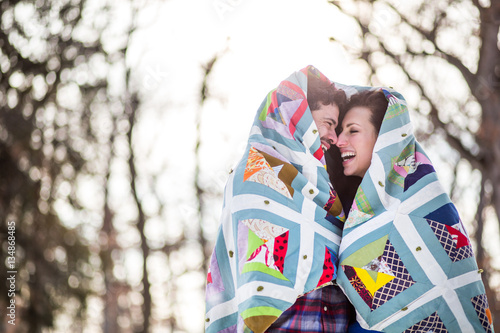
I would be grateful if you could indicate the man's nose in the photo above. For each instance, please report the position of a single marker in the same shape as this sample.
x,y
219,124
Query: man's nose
x,y
332,136
341,141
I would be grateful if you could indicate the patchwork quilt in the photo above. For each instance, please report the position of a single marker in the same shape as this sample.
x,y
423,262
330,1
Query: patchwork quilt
x,y
406,261
404,258
279,235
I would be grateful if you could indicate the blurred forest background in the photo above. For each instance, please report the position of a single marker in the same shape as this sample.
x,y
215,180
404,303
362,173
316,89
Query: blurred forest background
x,y
115,190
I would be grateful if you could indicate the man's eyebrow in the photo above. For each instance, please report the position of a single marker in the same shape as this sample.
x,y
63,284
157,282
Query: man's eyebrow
x,y
332,120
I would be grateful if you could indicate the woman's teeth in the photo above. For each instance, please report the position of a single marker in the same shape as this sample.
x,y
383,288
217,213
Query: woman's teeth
x,y
347,155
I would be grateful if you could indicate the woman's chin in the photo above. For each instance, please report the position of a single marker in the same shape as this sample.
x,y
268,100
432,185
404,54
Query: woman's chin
x,y
355,173
347,173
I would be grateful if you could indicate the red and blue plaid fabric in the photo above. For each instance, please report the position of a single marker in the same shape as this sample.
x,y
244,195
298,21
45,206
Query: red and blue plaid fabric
x,y
322,310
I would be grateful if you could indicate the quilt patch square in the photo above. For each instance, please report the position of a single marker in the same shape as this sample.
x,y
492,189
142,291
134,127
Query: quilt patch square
x,y
481,306
400,283
214,279
329,271
358,285
454,244
394,262
430,324
388,291
361,202
262,247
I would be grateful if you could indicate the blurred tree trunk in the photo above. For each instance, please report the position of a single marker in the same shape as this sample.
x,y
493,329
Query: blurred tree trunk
x,y
68,140
414,37
131,108
200,192
45,128
108,246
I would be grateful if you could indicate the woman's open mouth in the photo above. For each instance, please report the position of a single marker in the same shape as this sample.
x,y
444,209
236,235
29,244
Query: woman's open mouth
x,y
348,155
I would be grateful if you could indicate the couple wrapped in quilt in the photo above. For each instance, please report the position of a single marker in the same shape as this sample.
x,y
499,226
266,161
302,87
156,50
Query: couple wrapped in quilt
x,y
402,256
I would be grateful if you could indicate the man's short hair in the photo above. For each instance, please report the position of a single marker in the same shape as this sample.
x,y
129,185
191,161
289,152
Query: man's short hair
x,y
323,92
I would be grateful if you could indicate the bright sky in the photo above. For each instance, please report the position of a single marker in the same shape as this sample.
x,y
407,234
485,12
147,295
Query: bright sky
x,y
260,42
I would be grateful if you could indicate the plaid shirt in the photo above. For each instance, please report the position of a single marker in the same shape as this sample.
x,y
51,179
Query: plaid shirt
x,y
323,310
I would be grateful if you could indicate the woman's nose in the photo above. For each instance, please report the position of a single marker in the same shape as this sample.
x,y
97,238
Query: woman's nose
x,y
341,141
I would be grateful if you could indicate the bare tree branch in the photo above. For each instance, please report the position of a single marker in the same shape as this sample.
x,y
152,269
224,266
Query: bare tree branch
x,y
431,37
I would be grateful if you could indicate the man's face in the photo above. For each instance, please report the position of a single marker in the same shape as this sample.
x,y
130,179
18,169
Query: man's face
x,y
326,119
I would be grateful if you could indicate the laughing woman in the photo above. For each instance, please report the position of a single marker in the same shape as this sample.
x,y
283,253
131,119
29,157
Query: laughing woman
x,y
360,128
406,262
